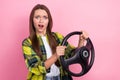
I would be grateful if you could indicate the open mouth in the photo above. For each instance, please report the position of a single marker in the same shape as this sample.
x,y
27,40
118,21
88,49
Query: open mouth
x,y
41,26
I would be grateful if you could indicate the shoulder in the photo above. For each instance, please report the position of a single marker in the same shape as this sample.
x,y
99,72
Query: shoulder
x,y
26,41
58,35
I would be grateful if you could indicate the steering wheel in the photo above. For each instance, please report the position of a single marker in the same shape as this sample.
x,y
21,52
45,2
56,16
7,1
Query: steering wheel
x,y
83,56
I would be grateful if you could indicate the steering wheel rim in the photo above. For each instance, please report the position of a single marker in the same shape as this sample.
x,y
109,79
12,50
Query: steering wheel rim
x,y
81,56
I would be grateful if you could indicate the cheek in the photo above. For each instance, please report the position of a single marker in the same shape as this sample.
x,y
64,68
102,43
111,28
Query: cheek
x,y
46,22
35,22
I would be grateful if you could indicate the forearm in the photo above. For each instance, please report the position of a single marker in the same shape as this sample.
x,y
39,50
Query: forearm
x,y
50,61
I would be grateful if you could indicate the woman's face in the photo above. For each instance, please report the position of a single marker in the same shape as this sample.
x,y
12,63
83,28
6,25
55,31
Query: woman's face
x,y
40,21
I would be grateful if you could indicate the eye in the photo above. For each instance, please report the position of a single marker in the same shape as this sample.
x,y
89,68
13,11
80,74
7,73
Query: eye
x,y
37,17
45,17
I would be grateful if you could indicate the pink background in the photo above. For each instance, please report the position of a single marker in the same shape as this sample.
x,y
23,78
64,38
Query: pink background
x,y
100,18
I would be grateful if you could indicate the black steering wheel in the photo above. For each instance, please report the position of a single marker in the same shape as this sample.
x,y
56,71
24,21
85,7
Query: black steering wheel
x,y
83,56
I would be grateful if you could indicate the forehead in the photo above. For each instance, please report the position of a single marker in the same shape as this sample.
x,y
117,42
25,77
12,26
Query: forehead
x,y
40,12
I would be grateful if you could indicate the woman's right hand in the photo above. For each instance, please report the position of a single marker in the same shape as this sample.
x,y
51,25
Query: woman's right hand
x,y
60,50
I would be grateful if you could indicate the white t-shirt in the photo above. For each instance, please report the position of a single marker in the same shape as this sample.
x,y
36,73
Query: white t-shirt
x,y
54,70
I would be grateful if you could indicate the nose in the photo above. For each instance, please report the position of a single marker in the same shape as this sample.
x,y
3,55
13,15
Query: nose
x,y
41,20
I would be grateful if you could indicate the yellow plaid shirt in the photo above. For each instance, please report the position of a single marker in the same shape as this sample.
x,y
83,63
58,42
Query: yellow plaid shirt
x,y
35,65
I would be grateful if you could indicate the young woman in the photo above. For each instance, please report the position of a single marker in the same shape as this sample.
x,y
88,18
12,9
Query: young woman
x,y
42,48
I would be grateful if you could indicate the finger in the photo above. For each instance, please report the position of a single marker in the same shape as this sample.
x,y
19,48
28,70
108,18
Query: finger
x,y
81,37
85,35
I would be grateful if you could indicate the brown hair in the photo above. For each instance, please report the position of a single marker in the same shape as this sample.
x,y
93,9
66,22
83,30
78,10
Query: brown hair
x,y
33,36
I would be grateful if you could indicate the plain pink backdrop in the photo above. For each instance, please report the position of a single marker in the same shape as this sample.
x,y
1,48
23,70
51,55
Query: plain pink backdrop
x,y
100,18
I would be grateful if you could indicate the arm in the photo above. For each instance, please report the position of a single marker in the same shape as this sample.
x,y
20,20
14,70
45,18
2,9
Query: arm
x,y
50,61
33,62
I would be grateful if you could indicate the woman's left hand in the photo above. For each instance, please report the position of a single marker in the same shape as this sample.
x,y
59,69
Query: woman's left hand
x,y
82,38
84,35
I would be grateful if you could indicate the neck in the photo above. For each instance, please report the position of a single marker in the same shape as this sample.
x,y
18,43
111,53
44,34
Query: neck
x,y
41,33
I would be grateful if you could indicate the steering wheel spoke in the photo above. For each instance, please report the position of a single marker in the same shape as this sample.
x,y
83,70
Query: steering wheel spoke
x,y
74,59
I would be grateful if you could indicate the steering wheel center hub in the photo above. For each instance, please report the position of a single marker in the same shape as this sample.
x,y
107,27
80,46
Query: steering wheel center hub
x,y
85,54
